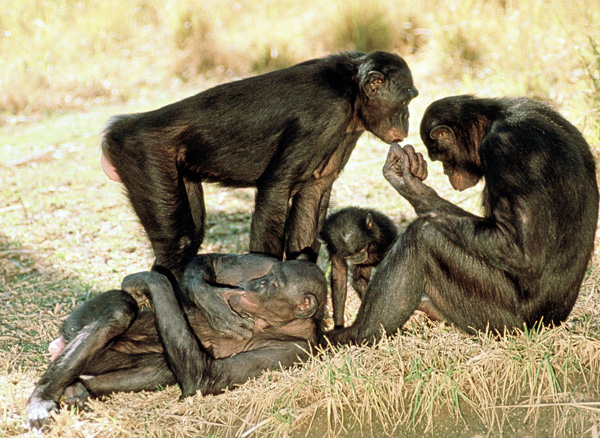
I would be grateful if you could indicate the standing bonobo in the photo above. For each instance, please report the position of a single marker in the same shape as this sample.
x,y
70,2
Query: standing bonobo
x,y
112,344
523,261
288,133
358,236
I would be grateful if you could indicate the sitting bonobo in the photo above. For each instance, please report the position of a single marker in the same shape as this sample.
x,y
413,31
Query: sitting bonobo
x,y
111,343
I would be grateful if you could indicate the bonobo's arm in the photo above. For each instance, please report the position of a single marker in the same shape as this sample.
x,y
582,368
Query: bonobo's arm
x,y
192,367
210,277
237,369
186,358
503,240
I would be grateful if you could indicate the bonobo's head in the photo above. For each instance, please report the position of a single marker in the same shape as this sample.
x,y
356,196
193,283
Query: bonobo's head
x,y
348,234
386,88
452,129
290,290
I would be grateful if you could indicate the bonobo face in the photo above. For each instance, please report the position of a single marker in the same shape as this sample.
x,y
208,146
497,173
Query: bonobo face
x,y
352,245
449,137
290,290
387,90
459,173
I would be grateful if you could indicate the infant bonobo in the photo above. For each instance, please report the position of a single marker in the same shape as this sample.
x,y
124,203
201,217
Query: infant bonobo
x,y
358,236
111,343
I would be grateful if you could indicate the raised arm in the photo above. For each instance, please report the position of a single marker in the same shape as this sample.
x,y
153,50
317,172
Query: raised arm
x,y
210,278
504,239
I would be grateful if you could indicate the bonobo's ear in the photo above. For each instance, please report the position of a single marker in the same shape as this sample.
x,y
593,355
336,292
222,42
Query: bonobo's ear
x,y
375,80
307,308
369,221
444,136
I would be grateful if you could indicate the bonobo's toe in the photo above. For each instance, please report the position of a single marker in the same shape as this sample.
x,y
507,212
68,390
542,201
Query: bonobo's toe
x,y
77,395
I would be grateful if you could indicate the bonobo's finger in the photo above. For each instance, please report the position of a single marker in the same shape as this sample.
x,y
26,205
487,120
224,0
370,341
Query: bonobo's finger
x,y
238,325
234,326
413,158
424,172
393,162
421,171
416,164
245,328
239,329
405,164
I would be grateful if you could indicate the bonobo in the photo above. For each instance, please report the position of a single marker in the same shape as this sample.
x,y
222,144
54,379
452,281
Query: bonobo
x,y
288,133
519,264
358,236
112,344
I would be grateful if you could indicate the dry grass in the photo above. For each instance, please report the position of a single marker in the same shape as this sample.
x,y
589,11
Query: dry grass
x,y
67,232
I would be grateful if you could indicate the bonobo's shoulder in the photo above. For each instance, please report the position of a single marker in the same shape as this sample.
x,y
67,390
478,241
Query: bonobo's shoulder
x,y
342,62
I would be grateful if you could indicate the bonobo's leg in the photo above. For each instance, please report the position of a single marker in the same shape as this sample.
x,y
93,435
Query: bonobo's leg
x,y
140,372
392,295
339,289
147,373
184,355
171,226
303,221
313,250
361,274
195,195
235,370
268,220
309,205
465,290
99,319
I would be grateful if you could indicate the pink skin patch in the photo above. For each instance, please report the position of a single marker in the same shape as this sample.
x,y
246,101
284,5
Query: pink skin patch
x,y
109,170
56,347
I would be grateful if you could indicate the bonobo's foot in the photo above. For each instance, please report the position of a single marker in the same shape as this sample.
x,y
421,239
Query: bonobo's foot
x,y
351,335
39,412
77,395
139,296
338,336
137,286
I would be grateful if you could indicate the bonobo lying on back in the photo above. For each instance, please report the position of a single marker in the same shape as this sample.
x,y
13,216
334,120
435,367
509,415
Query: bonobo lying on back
x,y
112,344
358,236
289,133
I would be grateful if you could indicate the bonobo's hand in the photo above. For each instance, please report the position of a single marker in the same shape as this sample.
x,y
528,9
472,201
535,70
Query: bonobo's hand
x,y
212,302
405,169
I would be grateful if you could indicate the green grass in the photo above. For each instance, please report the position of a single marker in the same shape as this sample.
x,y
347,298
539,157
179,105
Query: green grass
x,y
68,233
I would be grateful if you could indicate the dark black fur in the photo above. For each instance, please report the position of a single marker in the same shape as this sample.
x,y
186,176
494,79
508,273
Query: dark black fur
x,y
358,236
288,133
524,260
114,345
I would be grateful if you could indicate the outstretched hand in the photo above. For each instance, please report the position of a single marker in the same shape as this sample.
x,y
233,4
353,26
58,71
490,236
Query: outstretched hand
x,y
405,169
